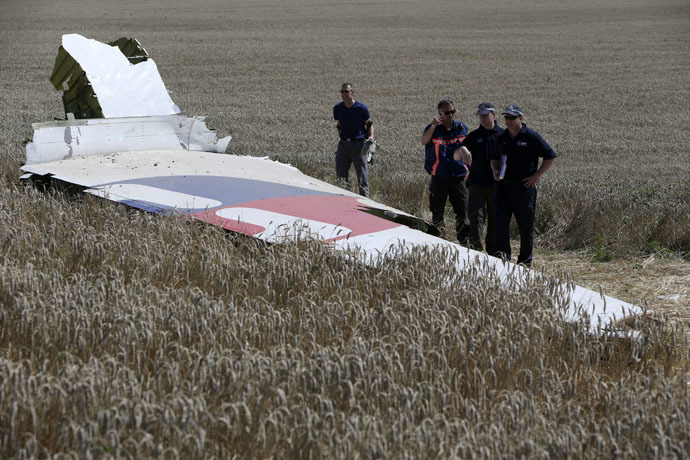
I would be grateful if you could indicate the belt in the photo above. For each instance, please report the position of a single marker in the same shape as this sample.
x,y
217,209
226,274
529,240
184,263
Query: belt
x,y
349,139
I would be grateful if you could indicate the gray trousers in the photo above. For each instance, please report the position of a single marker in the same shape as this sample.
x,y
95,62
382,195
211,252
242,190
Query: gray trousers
x,y
350,153
480,207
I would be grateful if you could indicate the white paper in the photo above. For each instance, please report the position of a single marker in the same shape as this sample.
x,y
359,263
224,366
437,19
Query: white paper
x,y
502,171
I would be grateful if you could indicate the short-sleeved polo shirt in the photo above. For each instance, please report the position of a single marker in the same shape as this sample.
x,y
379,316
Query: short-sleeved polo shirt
x,y
522,153
482,143
352,120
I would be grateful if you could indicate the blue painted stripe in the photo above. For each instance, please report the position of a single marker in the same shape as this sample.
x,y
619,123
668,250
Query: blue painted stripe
x,y
228,190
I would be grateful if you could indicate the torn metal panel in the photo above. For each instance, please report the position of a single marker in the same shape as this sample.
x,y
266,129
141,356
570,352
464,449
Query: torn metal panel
x,y
276,202
132,49
59,140
78,97
107,81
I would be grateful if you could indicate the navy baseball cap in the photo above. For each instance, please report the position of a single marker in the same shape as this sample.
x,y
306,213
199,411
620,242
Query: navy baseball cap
x,y
485,107
513,110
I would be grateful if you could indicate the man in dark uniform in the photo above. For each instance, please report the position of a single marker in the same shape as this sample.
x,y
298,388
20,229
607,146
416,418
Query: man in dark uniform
x,y
445,161
516,170
482,144
354,125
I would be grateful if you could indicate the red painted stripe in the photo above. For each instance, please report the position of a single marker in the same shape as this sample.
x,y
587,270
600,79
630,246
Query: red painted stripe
x,y
330,209
436,149
245,228
437,145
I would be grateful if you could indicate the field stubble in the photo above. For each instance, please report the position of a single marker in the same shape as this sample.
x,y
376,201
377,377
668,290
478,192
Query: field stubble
x,y
129,335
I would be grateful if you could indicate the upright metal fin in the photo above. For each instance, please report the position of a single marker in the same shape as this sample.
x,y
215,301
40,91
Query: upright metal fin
x,y
93,79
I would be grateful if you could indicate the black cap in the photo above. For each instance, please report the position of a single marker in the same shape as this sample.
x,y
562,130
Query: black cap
x,y
485,107
513,110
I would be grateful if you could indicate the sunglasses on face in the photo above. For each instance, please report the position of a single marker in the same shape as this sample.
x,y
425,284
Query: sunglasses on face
x,y
448,112
509,117
345,91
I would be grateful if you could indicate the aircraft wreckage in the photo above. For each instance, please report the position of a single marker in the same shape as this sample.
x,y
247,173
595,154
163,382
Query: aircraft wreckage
x,y
125,140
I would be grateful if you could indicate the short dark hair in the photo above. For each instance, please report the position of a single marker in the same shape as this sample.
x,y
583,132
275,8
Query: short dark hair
x,y
352,87
444,102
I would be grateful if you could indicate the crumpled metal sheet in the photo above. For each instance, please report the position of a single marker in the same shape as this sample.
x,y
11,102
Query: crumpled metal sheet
x,y
106,81
60,140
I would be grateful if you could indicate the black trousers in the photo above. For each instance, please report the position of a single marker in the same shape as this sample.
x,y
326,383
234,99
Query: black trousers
x,y
480,209
514,199
441,189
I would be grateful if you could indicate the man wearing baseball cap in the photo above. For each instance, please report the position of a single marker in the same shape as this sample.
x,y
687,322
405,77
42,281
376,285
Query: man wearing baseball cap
x,y
482,144
516,169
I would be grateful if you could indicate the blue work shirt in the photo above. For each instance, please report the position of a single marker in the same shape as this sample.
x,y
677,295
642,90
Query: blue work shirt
x,y
522,152
352,120
439,151
482,143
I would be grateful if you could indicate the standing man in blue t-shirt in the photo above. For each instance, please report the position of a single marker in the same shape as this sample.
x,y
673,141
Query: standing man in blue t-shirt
x,y
354,125
482,143
516,169
446,161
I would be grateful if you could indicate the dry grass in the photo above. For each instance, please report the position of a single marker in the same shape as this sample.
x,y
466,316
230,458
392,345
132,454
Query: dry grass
x,y
174,338
128,335
659,281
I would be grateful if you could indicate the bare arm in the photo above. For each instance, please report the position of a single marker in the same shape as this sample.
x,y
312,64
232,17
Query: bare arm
x,y
495,168
369,126
532,180
463,154
428,134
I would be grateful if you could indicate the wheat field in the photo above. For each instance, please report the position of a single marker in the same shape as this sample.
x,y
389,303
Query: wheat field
x,y
129,335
